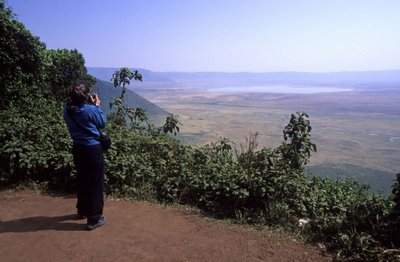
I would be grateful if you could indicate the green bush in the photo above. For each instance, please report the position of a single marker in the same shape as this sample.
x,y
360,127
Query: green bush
x,y
347,217
36,145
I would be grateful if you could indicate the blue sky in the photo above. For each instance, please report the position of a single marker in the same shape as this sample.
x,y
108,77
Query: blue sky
x,y
221,35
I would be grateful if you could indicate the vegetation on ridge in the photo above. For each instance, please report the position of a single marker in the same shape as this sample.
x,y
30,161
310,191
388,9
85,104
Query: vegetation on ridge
x,y
267,186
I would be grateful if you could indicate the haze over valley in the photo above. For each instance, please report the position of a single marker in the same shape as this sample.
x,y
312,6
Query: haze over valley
x,y
354,115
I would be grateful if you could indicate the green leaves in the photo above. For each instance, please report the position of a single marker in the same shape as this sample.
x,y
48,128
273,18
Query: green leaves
x,y
21,58
136,116
346,217
171,125
297,147
62,69
123,77
36,145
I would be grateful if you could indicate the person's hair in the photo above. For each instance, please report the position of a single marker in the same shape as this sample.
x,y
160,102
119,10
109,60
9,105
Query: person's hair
x,y
78,96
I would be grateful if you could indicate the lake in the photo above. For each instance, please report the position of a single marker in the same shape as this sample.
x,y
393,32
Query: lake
x,y
280,89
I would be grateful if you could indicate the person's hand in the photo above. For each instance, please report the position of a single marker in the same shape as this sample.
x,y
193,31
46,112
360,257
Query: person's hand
x,y
97,100
94,100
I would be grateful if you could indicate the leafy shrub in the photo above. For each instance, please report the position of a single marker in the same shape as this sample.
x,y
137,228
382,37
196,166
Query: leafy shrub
x,y
346,217
214,182
137,160
36,145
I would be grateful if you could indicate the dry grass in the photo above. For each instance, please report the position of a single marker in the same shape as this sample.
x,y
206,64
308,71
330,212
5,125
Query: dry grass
x,y
351,127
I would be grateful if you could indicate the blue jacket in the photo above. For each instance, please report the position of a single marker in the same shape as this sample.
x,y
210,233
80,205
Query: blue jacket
x,y
89,117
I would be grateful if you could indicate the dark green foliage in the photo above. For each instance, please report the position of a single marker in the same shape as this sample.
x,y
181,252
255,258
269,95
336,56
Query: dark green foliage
x,y
171,125
215,180
62,69
126,168
123,77
136,116
35,145
297,147
21,58
347,217
396,193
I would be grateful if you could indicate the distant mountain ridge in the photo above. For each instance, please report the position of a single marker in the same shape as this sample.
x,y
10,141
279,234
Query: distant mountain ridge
x,y
214,79
107,72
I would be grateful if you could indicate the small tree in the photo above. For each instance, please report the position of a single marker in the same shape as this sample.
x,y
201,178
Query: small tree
x,y
297,146
21,59
136,116
171,125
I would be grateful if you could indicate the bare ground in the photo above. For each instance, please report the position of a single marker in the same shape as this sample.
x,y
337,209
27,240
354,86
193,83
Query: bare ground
x,y
38,227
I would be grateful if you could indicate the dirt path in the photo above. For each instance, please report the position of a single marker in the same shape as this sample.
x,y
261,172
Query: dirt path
x,y
35,227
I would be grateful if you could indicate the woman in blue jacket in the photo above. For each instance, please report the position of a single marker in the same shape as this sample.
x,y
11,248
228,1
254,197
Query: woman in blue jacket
x,y
84,118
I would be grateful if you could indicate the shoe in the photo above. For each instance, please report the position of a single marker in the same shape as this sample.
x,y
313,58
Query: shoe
x,y
99,223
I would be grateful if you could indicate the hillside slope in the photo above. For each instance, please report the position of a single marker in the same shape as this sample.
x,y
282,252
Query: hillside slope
x,y
107,92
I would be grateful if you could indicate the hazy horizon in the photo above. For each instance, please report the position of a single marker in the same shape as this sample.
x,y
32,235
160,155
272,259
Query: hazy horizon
x,y
220,36
249,72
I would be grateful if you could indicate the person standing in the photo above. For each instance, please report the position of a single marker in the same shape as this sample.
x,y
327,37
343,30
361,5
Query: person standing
x,y
84,119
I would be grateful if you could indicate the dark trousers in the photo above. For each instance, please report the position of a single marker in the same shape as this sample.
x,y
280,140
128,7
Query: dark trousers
x,y
89,164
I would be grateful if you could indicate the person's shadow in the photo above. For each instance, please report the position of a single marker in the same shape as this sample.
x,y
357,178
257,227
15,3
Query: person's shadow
x,y
40,223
